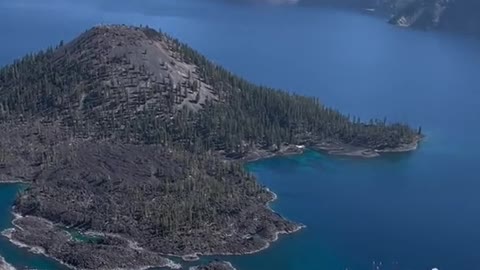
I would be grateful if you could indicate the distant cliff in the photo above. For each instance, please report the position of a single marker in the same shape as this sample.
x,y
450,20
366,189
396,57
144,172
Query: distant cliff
x,y
453,15
461,16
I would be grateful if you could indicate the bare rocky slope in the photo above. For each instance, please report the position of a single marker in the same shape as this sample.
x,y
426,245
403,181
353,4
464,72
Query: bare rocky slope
x,y
132,146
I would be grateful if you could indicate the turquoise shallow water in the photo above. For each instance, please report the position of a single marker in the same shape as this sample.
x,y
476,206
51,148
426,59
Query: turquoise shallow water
x,y
410,212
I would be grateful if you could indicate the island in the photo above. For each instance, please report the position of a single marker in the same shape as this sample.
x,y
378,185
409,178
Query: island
x,y
132,145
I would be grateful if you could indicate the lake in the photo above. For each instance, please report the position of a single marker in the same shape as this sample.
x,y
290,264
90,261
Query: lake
x,y
411,211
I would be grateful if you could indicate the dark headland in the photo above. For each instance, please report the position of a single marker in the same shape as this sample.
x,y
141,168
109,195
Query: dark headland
x,y
137,142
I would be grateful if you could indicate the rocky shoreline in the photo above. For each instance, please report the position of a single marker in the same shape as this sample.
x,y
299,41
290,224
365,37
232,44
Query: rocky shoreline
x,y
282,151
4,265
339,149
27,229
275,237
12,182
43,237
330,148
39,235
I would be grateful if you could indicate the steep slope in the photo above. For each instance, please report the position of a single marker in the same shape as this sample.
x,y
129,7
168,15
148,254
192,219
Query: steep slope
x,y
115,72
137,85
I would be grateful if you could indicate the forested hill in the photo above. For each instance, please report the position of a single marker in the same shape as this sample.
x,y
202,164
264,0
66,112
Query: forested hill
x,y
137,85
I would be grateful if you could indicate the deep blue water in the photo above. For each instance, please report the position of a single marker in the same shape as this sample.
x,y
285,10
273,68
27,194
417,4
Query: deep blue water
x,y
410,212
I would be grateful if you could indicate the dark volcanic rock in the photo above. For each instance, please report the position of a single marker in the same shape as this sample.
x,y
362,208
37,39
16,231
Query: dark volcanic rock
x,y
162,199
109,253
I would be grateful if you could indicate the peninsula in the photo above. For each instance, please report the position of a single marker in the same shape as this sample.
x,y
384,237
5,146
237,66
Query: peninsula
x,y
133,144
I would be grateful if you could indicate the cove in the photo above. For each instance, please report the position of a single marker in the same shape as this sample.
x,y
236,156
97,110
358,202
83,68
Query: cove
x,y
414,211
